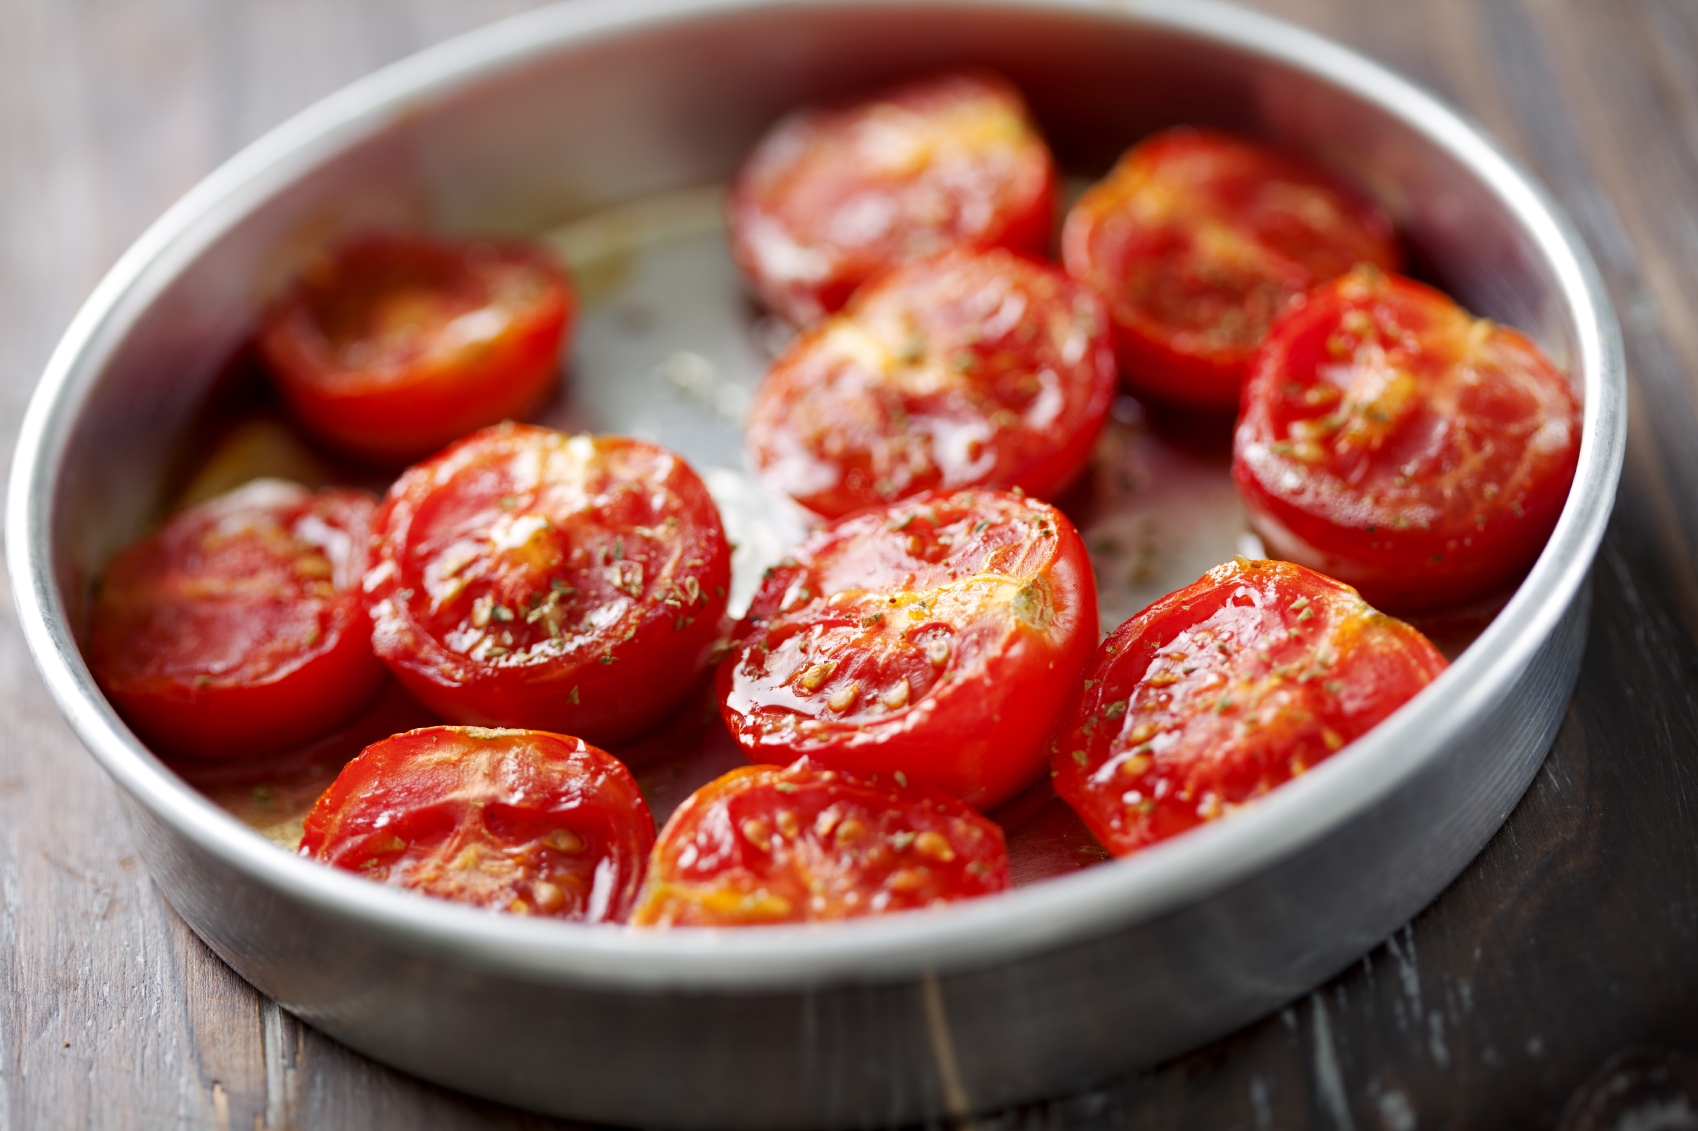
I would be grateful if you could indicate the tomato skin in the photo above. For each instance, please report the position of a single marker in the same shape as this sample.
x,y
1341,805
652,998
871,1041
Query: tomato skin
x,y
1224,690
522,577
392,346
937,637
237,628
832,196
803,843
512,820
925,382
1198,240
1393,441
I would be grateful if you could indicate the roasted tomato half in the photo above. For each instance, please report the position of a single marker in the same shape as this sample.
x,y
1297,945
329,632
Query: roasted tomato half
x,y
935,639
237,629
1198,240
833,196
1218,693
1396,442
976,368
765,844
512,820
392,346
527,578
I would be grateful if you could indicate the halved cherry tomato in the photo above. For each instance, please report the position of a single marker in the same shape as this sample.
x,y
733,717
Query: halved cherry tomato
x,y
527,578
1218,693
833,196
237,628
512,820
936,639
392,346
766,845
1198,240
975,368
1392,440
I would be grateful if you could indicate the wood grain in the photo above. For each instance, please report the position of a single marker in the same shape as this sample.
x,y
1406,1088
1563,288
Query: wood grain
x,y
1554,984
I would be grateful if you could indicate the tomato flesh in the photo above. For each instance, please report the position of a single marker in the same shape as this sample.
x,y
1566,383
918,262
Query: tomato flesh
x,y
975,368
766,845
392,346
523,577
1394,441
937,638
1198,240
831,197
513,820
237,628
1224,690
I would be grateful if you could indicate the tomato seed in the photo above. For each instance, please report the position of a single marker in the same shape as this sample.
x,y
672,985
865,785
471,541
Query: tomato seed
x,y
565,840
935,845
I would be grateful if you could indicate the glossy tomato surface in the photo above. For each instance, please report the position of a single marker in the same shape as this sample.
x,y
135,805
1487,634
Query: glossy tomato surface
x,y
1218,693
765,844
513,820
832,196
974,368
1392,440
391,346
1198,240
237,628
524,577
937,637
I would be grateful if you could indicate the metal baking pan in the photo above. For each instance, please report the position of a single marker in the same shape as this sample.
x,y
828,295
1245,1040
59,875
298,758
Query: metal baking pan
x,y
576,111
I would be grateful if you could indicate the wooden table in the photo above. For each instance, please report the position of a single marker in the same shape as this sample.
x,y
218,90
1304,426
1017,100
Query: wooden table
x,y
1555,983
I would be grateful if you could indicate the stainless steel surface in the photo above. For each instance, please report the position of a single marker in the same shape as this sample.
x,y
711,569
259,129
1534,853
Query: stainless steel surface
x,y
570,110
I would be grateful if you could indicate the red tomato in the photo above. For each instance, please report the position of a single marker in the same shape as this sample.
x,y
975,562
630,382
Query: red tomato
x,y
1218,693
935,639
1198,240
976,368
831,197
513,820
766,845
1395,442
392,346
522,577
237,629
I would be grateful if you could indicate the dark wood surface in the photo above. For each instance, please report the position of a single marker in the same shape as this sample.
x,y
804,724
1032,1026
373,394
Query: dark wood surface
x,y
1555,983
